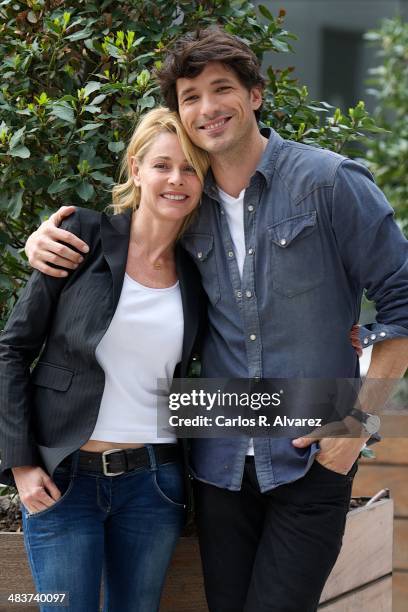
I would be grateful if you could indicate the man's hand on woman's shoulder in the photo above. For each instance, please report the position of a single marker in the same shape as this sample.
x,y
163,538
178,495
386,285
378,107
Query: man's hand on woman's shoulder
x,y
44,246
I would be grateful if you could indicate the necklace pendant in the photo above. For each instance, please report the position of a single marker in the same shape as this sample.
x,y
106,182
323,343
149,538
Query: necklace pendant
x,y
157,266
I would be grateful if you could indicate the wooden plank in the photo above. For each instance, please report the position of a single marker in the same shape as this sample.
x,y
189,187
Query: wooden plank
x,y
184,589
400,591
389,450
400,544
14,570
375,597
370,479
366,553
394,425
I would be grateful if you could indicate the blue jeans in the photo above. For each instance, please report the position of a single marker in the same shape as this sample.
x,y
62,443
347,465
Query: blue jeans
x,y
125,526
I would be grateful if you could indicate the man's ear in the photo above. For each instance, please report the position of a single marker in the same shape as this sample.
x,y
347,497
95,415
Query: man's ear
x,y
135,171
256,97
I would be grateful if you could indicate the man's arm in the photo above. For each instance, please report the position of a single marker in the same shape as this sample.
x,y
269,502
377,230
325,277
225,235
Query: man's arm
x,y
389,362
44,246
375,257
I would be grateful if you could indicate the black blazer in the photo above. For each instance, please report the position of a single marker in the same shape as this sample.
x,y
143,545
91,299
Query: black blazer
x,y
47,414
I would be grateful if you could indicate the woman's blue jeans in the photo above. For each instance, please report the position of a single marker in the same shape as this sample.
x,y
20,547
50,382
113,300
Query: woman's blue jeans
x,y
124,526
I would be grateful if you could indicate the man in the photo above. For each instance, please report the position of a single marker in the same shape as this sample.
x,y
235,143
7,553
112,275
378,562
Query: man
x,y
287,238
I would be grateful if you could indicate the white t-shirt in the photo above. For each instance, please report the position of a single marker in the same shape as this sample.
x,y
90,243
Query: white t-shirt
x,y
142,344
234,212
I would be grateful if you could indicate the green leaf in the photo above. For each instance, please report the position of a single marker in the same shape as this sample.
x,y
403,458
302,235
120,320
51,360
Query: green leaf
x,y
147,102
65,113
265,12
99,99
91,108
16,137
91,87
367,453
143,78
85,191
90,126
116,147
98,176
80,35
15,204
114,51
58,186
280,45
20,151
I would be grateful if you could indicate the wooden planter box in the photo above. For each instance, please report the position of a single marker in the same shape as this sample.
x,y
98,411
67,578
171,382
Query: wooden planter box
x,y
360,580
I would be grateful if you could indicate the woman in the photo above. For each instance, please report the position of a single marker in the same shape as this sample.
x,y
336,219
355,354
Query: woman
x,y
99,489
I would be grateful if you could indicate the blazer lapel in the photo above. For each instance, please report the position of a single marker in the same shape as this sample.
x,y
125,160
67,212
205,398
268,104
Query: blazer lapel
x,y
189,298
115,232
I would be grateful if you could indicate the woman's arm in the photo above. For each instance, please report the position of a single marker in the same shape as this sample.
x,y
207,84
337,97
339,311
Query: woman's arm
x,y
20,344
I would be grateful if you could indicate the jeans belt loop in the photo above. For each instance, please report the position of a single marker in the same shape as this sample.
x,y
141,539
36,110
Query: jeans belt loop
x,y
74,463
105,461
152,457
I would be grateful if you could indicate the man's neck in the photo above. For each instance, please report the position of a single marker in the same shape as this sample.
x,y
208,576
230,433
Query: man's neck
x,y
232,170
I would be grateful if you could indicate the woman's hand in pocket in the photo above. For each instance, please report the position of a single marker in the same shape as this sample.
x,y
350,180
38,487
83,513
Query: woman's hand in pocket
x,y
35,487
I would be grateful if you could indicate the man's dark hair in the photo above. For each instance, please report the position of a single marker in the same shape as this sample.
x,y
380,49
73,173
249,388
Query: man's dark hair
x,y
191,53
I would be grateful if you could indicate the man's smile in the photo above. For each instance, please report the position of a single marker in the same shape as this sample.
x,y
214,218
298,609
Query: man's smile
x,y
215,124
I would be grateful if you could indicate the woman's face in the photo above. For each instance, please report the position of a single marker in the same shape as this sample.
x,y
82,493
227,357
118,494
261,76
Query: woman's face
x,y
170,187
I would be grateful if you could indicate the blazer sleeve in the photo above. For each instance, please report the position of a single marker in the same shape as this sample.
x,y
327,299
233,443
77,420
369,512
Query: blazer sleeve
x,y
20,344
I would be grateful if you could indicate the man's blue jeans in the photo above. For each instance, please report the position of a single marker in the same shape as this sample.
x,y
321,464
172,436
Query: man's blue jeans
x,y
125,526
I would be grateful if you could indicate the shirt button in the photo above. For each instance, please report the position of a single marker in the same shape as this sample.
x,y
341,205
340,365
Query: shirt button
x,y
252,337
365,340
239,294
250,251
248,294
383,334
282,241
373,336
250,208
230,254
199,255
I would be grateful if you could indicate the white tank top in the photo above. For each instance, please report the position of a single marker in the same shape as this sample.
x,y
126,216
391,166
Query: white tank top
x,y
142,344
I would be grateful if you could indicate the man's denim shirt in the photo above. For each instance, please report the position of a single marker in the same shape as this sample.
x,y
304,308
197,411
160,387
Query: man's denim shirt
x,y
317,232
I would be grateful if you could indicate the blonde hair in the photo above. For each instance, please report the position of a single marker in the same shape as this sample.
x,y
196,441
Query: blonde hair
x,y
126,194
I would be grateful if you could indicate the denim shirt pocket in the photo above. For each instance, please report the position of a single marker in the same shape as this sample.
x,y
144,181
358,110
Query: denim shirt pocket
x,y
201,248
297,263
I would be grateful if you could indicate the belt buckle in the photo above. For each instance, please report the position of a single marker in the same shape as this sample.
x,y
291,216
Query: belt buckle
x,y
105,462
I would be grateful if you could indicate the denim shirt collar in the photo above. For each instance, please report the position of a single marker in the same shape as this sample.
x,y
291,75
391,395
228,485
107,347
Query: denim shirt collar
x,y
266,165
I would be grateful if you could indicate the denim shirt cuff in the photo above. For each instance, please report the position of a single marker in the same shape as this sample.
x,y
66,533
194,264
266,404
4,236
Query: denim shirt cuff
x,y
377,332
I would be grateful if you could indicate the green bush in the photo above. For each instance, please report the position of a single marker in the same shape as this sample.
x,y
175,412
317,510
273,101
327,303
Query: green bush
x,y
388,154
76,75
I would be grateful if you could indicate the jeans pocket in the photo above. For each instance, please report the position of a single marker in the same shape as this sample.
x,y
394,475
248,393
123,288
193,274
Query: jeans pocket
x,y
65,483
333,476
168,481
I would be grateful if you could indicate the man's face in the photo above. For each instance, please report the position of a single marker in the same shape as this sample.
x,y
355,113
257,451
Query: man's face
x,y
216,110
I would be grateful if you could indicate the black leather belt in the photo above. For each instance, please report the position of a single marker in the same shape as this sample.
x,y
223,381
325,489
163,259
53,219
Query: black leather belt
x,y
120,460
